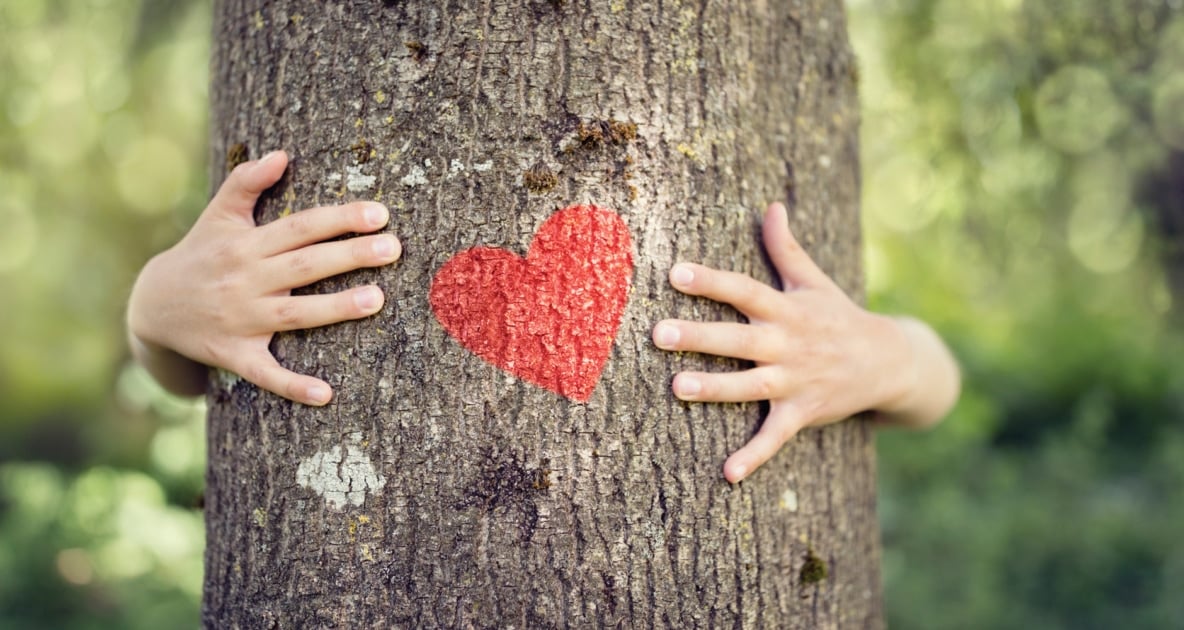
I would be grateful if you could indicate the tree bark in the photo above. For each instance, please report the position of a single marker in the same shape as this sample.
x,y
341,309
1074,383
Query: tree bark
x,y
438,490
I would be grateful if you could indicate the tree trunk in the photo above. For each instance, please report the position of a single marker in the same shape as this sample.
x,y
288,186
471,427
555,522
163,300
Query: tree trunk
x,y
448,484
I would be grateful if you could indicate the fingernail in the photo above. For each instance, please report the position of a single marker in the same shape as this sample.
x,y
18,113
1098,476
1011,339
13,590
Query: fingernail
x,y
741,473
681,275
368,299
689,386
376,215
666,335
318,394
384,247
269,157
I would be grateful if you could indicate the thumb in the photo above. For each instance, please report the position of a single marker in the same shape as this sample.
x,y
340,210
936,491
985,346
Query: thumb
x,y
237,196
793,264
261,368
783,422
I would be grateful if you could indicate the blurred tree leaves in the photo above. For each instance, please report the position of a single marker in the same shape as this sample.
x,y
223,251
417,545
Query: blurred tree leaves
x,y
92,130
1026,194
102,138
1024,163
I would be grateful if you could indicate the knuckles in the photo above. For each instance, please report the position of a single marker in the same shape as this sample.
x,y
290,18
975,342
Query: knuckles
x,y
363,250
302,263
256,373
762,386
213,352
299,224
751,342
238,176
287,313
228,253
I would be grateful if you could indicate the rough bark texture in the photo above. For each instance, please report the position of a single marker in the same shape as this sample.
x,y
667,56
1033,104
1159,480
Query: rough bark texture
x,y
438,491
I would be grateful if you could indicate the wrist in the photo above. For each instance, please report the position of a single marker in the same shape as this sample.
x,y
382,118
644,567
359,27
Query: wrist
x,y
930,380
140,309
899,366
174,371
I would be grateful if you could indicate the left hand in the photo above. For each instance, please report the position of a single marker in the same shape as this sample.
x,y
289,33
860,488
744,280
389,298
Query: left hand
x,y
819,357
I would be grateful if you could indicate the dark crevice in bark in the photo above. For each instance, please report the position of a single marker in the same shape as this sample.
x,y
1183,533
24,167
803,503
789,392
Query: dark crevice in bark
x,y
636,528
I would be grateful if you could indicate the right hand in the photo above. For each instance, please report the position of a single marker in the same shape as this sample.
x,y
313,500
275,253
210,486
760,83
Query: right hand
x,y
218,296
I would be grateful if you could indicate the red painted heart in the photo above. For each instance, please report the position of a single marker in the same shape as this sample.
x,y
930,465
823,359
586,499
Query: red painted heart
x,y
549,318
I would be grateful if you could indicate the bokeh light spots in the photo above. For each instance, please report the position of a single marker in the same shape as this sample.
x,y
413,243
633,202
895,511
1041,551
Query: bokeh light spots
x,y
22,14
1104,232
22,106
18,239
1076,109
906,186
1171,44
1020,169
1167,107
152,174
120,131
62,134
75,567
991,125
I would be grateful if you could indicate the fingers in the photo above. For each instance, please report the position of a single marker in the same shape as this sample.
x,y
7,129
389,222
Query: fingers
x,y
751,297
319,224
263,370
311,311
726,339
761,383
782,423
793,264
317,262
238,194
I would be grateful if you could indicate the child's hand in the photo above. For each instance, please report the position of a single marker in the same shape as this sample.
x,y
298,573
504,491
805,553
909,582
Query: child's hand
x,y
819,356
217,297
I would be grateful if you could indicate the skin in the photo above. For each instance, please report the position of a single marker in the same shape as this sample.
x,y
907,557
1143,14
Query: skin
x,y
819,357
219,295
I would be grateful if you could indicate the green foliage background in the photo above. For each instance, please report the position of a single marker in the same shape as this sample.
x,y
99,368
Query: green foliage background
x,y
1024,169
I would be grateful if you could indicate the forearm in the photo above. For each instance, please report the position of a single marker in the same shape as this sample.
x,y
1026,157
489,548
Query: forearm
x,y
933,379
177,374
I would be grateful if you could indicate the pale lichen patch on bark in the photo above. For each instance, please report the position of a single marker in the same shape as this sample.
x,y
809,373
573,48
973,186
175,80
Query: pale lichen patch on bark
x,y
342,478
633,515
414,177
789,500
227,379
356,181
